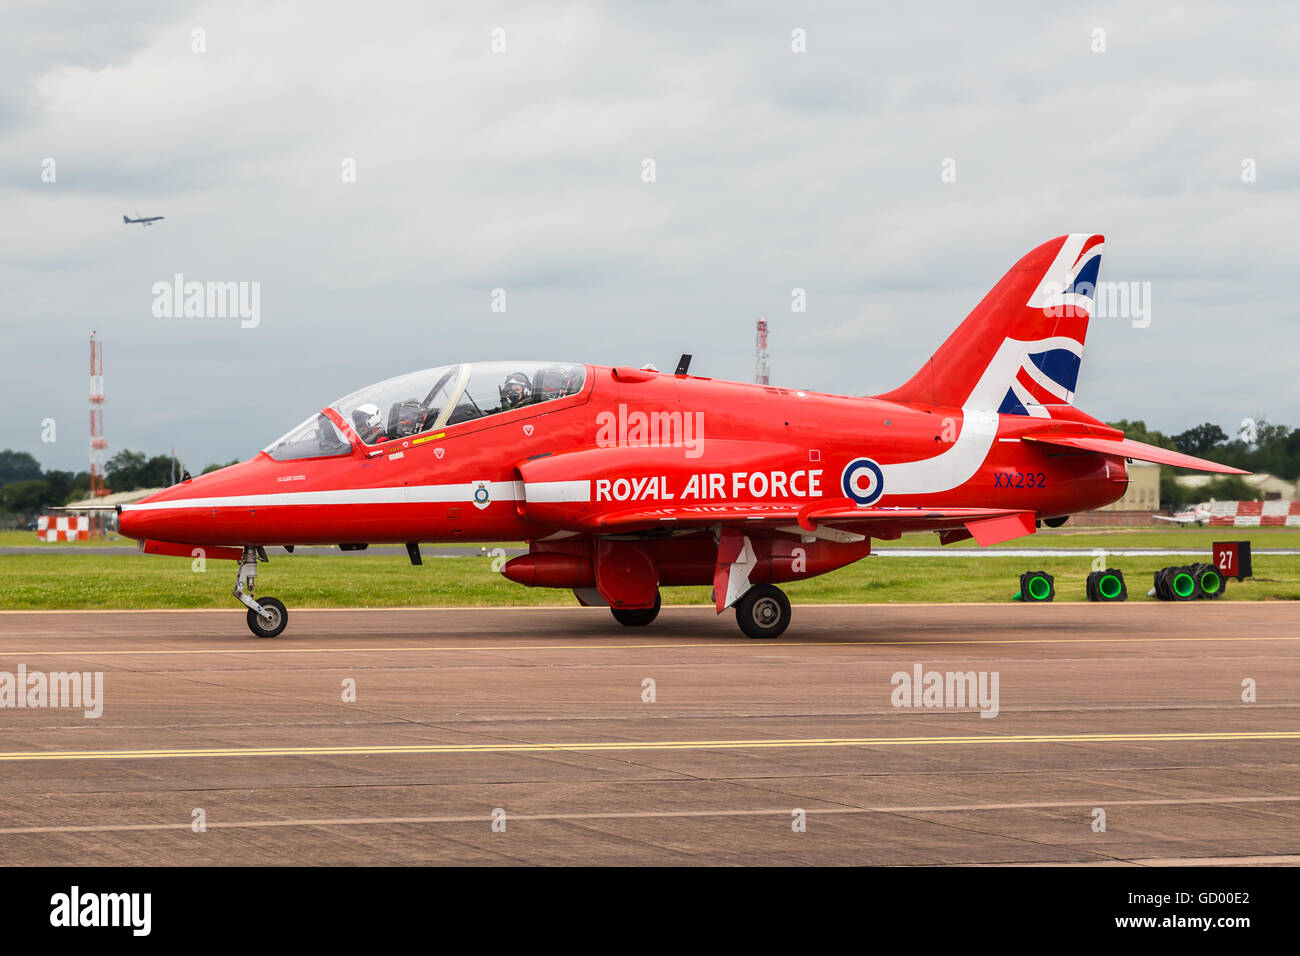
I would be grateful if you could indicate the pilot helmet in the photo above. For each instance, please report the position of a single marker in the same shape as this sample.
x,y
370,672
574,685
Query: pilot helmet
x,y
366,417
517,383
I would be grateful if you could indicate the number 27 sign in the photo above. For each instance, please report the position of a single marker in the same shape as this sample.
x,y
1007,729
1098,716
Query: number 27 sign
x,y
1232,558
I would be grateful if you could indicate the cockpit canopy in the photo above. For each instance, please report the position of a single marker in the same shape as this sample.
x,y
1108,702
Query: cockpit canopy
x,y
422,401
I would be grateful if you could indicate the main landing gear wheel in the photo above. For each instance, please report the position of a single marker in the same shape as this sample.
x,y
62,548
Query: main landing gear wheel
x,y
260,626
636,616
763,611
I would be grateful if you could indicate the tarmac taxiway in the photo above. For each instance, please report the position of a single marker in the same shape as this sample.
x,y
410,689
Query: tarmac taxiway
x,y
526,735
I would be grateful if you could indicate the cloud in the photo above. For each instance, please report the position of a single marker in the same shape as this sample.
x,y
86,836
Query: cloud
x,y
522,170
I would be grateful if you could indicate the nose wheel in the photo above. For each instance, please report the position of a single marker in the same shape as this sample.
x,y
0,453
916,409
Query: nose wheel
x,y
268,626
763,612
267,617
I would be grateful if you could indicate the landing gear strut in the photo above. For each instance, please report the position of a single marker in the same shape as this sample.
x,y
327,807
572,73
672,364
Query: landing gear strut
x,y
763,611
636,617
267,617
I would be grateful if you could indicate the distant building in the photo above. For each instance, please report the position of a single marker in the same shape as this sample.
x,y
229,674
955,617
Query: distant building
x,y
120,498
1273,488
1143,492
86,505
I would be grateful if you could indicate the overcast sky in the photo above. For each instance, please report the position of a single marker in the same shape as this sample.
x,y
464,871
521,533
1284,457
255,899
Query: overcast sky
x,y
523,170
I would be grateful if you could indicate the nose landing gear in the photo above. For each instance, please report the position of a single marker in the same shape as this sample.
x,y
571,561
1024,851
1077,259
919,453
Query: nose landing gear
x,y
267,617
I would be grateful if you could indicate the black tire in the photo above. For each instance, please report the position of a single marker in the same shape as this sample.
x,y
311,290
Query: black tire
x,y
763,612
1176,583
636,616
1037,587
1210,582
1107,585
273,627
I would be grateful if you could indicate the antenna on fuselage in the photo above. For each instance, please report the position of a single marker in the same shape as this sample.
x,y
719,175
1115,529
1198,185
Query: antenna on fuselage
x,y
683,364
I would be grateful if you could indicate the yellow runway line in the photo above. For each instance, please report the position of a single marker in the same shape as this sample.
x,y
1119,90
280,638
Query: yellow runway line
x,y
256,648
625,746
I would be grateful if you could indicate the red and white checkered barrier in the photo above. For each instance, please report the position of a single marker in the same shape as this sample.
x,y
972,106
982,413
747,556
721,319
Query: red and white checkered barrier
x,y
62,527
1255,514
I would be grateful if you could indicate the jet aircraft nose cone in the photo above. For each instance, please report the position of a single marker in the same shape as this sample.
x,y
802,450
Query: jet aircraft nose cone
x,y
152,517
128,523
183,512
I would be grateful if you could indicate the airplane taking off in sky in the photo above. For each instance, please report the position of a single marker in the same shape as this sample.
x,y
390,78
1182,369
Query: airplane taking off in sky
x,y
143,220
625,480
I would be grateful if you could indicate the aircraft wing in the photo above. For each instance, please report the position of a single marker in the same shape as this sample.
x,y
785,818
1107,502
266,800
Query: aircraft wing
x,y
987,525
1128,448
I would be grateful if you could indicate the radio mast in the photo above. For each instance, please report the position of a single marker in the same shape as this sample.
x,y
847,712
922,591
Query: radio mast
x,y
97,441
760,354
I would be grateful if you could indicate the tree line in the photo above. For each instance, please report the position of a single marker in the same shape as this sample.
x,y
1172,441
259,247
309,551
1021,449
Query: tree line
x,y
1259,447
27,488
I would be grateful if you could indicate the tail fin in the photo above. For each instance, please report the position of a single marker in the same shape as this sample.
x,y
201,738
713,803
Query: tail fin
x,y
1021,347
126,220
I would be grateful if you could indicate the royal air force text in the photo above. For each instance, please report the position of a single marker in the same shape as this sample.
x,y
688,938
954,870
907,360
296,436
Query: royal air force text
x,y
712,486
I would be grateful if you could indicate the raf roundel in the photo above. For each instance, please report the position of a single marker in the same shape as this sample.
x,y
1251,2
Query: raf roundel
x,y
863,481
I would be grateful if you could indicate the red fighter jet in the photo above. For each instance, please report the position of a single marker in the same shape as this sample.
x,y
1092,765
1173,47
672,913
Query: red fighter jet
x,y
624,480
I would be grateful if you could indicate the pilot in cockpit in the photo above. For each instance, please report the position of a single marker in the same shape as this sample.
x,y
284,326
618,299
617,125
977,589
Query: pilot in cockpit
x,y
516,392
369,425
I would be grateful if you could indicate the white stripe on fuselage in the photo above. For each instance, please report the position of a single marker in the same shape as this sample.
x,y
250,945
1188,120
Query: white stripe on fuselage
x,y
950,468
407,494
552,492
